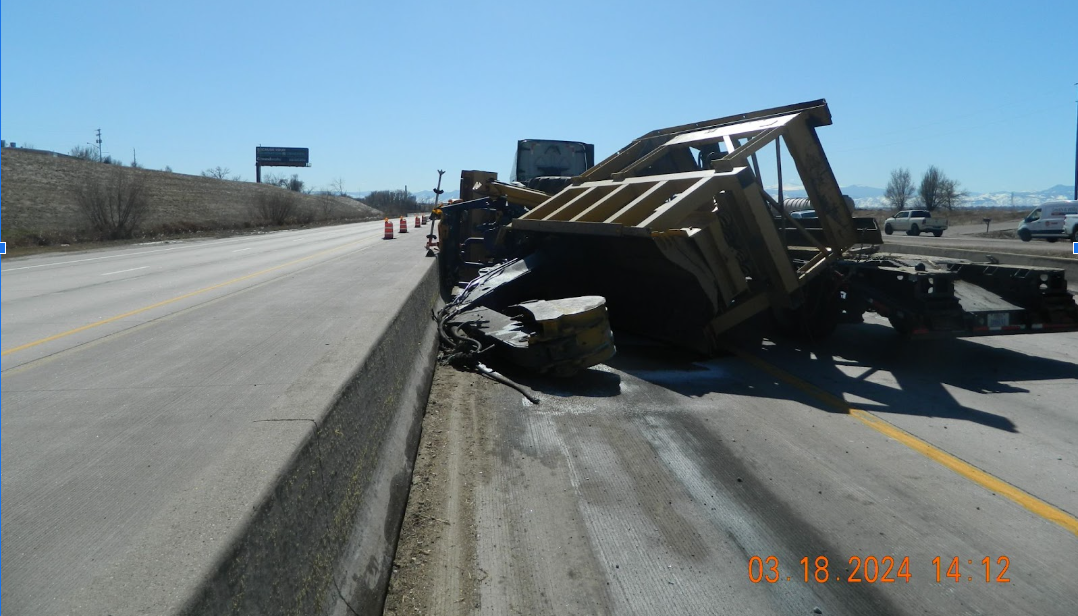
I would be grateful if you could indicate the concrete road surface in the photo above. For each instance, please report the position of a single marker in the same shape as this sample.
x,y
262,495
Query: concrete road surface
x,y
782,479
151,394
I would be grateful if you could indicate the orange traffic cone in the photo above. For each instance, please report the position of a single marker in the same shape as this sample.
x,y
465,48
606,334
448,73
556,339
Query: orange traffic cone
x,y
417,223
389,230
404,225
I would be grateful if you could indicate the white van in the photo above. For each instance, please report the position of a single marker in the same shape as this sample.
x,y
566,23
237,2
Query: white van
x,y
1046,221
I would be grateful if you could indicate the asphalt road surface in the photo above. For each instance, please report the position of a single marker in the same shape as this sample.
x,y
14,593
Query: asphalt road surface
x,y
783,478
955,238
150,394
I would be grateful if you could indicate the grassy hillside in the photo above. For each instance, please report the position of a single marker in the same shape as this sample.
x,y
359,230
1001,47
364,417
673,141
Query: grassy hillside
x,y
39,206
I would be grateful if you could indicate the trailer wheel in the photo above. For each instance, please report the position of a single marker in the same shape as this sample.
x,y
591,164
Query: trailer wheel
x,y
888,229
914,230
938,233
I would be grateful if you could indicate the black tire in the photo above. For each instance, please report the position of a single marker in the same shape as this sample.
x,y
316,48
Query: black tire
x,y
1074,234
914,230
1025,235
1053,240
938,233
888,229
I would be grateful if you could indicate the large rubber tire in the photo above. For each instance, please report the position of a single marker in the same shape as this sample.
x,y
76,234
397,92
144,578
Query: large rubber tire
x,y
938,233
1074,234
888,229
914,230
1025,235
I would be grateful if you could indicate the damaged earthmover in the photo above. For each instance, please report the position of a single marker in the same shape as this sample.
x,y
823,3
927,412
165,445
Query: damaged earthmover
x,y
675,238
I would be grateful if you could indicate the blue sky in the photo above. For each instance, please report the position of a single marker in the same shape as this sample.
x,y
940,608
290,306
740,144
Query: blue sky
x,y
384,94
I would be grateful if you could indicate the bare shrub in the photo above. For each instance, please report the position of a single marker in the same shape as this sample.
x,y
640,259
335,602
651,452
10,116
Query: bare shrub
x,y
217,173
326,205
305,214
115,204
392,202
277,207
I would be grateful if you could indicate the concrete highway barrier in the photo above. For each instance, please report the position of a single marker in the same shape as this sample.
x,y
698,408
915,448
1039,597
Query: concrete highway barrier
x,y
336,510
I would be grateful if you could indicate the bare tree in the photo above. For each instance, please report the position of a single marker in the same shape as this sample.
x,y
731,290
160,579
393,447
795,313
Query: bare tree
x,y
275,180
928,195
392,202
900,189
84,152
217,173
950,194
114,206
338,187
294,183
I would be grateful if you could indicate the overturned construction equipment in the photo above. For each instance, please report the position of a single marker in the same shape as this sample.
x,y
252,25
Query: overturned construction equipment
x,y
679,235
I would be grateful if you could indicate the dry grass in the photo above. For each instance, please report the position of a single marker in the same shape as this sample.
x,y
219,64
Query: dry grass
x,y
40,210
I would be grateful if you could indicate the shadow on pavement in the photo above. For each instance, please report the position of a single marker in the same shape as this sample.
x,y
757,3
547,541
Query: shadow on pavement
x,y
867,365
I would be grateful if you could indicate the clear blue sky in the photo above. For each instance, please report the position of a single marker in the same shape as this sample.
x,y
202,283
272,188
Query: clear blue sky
x,y
386,93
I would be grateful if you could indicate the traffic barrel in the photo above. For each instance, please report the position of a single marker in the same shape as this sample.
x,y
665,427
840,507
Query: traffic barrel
x,y
389,230
417,223
404,225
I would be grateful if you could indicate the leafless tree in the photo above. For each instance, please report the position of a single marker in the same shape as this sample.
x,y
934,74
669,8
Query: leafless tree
x,y
294,183
392,202
217,173
900,189
338,187
950,194
928,195
84,152
115,205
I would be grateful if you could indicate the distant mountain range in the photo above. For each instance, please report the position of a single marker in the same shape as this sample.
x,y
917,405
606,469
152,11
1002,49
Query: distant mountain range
x,y
1023,199
867,197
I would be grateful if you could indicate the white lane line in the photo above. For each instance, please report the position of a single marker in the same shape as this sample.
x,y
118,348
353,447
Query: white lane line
x,y
126,254
131,254
242,249
133,269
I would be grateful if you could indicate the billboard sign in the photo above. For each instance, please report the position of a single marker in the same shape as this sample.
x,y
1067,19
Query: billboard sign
x,y
282,157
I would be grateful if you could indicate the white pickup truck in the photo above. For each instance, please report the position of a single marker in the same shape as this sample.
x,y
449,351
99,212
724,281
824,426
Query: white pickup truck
x,y
1070,227
915,222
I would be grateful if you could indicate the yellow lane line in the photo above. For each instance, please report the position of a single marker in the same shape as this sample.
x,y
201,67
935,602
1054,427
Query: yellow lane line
x,y
173,300
963,468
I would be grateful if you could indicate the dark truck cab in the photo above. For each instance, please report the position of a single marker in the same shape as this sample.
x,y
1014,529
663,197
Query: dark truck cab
x,y
538,158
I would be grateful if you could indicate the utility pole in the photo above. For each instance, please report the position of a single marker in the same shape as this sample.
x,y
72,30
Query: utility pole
x,y
1076,151
101,157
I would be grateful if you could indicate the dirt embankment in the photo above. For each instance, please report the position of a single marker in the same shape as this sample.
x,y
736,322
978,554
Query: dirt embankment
x,y
37,198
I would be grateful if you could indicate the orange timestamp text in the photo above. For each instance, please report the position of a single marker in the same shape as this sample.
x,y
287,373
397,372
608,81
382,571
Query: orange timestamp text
x,y
878,570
